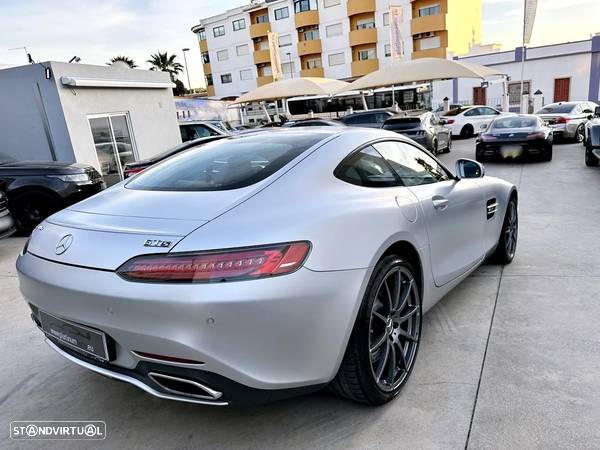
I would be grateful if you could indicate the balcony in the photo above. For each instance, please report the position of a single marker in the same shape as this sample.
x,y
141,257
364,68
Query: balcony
x,y
262,56
206,68
210,91
316,72
265,79
309,47
259,29
439,52
203,45
428,23
363,36
306,18
360,6
360,68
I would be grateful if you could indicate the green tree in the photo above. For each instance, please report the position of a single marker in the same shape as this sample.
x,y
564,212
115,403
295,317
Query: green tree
x,y
165,63
125,59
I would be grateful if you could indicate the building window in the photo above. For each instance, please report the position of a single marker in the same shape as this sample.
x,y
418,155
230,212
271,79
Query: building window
x,y
368,53
514,91
387,50
219,31
262,45
226,78
267,71
264,18
336,59
386,19
429,11
429,43
246,74
365,23
205,57
314,63
239,24
222,55
329,3
242,50
334,30
304,5
209,79
285,40
311,35
282,13
202,35
287,68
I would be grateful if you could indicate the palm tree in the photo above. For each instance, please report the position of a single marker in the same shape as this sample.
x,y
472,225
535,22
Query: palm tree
x,y
165,63
125,59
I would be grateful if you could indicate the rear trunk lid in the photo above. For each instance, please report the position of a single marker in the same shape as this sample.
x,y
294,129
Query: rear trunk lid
x,y
108,229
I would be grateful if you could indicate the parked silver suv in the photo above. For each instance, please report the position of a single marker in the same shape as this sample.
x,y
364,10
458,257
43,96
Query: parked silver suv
x,y
568,119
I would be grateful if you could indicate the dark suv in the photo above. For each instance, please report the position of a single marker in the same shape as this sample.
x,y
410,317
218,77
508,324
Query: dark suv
x,y
36,190
373,118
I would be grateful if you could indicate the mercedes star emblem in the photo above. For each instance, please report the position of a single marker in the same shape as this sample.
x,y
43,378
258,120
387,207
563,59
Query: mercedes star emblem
x,y
64,244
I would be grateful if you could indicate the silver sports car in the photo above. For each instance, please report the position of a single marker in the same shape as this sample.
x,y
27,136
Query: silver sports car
x,y
265,265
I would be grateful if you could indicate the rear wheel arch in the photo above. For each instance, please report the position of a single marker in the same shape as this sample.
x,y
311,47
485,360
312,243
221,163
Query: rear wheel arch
x,y
409,253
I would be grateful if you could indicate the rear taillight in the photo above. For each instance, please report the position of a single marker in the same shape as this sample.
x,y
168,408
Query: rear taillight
x,y
214,266
131,172
562,120
449,121
488,137
536,135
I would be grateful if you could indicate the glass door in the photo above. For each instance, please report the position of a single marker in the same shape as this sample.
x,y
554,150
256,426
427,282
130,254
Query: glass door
x,y
114,145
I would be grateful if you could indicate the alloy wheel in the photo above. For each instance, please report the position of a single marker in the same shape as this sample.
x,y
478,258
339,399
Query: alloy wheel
x,y
579,134
511,230
394,328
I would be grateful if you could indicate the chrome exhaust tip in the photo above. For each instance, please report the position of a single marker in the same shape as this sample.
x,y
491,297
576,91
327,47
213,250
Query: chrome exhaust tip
x,y
184,387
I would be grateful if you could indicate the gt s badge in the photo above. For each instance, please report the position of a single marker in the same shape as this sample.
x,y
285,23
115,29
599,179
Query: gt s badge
x,y
157,243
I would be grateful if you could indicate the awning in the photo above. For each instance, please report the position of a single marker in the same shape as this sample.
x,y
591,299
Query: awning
x,y
292,87
111,83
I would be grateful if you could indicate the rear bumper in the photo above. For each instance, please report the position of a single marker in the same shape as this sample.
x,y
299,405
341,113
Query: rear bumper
x,y
7,225
513,149
277,334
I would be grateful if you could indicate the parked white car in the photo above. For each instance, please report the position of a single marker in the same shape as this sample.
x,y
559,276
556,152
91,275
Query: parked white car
x,y
468,121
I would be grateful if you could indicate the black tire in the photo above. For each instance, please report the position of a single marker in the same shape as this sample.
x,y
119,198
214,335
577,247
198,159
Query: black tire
x,y
507,242
449,145
590,159
479,157
434,147
357,379
29,208
580,133
467,131
547,155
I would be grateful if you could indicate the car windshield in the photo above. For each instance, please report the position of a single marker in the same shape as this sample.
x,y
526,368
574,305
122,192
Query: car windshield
x,y
514,122
556,109
456,112
226,164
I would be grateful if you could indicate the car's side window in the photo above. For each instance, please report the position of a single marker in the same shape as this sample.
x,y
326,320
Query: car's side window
x,y
352,120
489,111
366,168
472,112
413,166
381,117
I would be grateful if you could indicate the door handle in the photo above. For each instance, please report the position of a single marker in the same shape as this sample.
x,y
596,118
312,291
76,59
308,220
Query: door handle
x,y
439,203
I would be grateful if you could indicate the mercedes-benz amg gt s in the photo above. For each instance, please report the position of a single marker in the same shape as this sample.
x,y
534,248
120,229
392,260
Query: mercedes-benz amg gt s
x,y
265,265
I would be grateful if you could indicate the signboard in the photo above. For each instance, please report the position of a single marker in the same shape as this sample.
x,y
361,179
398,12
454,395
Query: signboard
x,y
529,19
396,43
274,54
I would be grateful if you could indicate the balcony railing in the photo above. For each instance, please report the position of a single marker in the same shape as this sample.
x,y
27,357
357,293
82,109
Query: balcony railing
x,y
427,24
309,47
360,68
306,18
262,56
363,36
360,6
259,29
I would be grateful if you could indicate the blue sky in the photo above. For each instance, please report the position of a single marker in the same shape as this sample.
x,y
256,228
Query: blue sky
x,y
97,30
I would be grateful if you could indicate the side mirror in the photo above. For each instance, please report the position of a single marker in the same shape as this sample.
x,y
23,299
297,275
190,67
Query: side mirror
x,y
597,111
467,168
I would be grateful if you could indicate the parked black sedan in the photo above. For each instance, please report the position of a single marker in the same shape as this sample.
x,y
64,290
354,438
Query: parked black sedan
x,y
510,137
132,168
427,129
7,224
36,190
592,140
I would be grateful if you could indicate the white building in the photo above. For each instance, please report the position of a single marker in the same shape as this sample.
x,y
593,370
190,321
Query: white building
x,y
561,72
104,116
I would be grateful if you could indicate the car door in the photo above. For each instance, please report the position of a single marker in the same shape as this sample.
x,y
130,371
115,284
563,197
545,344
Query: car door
x,y
440,131
486,116
453,211
473,117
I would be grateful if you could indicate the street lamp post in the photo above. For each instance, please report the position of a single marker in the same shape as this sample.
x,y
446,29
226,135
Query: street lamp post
x,y
289,55
186,67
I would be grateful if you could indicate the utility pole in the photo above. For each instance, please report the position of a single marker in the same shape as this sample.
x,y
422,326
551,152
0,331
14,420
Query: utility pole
x,y
187,72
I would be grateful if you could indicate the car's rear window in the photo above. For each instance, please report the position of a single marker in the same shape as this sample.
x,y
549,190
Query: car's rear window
x,y
515,122
231,163
556,109
456,111
404,123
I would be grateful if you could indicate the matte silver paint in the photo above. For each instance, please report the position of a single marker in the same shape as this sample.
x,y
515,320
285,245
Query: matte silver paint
x,y
266,333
